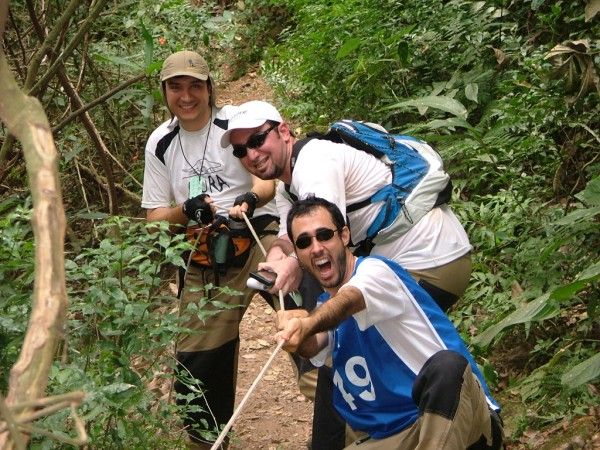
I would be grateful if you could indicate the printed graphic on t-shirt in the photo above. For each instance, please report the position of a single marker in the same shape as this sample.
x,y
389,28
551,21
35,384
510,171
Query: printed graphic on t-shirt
x,y
209,174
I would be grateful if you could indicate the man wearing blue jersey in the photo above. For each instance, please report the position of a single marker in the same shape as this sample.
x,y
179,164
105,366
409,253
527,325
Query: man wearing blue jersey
x,y
403,376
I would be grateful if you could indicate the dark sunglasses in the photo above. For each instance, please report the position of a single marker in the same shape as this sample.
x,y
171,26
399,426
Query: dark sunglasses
x,y
254,141
322,235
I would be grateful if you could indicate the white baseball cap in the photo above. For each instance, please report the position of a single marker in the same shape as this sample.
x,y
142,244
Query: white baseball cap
x,y
251,114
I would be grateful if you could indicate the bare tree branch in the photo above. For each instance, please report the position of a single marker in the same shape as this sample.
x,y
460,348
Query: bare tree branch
x,y
75,41
98,101
46,44
96,138
91,172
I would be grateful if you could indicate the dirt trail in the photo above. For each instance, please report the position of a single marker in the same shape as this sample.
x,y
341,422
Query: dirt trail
x,y
276,415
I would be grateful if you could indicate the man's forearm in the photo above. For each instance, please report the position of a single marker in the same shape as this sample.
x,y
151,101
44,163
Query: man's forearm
x,y
174,215
329,315
313,345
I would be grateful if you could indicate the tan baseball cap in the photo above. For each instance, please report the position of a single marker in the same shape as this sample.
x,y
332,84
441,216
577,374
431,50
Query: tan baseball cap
x,y
184,63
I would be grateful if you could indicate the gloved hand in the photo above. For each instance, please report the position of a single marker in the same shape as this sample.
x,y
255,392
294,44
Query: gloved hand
x,y
250,198
196,208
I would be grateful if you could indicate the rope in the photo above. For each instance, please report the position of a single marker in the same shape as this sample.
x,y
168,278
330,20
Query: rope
x,y
253,231
236,413
238,410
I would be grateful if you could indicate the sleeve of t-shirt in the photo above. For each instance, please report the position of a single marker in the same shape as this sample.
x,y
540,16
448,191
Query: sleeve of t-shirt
x,y
157,186
384,293
319,170
320,358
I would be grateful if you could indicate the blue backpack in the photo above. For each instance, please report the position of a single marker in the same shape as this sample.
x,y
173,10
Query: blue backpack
x,y
419,182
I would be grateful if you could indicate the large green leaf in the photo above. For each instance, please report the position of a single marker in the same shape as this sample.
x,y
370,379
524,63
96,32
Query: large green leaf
x,y
583,372
148,45
471,91
579,215
591,194
348,47
450,122
536,310
440,102
585,277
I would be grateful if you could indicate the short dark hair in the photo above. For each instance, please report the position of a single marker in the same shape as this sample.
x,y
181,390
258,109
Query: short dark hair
x,y
307,205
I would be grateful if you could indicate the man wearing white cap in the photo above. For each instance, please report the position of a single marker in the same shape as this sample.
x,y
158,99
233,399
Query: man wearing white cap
x,y
186,174
435,251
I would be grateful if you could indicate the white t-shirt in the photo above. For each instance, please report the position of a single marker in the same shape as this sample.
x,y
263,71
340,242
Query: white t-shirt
x,y
344,176
180,164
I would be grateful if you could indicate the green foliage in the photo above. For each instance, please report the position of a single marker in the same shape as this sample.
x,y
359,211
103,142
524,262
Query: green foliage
x,y
508,93
16,280
120,329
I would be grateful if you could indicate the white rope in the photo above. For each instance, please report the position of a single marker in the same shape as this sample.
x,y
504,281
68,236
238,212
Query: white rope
x,y
236,413
253,231
238,410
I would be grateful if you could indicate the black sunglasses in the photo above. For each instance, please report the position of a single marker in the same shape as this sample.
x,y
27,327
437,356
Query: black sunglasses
x,y
322,235
254,141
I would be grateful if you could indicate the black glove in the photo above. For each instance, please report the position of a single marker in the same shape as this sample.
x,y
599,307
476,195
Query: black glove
x,y
197,209
250,198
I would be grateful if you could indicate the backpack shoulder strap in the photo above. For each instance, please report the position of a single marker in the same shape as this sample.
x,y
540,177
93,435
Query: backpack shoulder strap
x,y
298,145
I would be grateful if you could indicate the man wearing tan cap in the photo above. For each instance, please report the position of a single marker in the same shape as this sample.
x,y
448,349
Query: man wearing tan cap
x,y
187,177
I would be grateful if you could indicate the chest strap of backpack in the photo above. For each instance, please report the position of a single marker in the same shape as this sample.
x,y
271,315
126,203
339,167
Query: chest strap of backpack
x,y
298,145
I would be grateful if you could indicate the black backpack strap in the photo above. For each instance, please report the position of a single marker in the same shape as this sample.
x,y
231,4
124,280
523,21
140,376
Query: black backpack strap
x,y
260,223
358,205
445,195
298,145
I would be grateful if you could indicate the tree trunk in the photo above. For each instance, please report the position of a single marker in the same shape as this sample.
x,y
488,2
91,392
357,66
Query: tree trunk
x,y
25,119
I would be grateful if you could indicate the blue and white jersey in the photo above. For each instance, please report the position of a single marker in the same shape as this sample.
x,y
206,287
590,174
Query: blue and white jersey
x,y
379,351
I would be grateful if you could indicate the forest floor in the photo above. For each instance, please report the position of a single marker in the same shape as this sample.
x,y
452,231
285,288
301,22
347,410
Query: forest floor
x,y
277,416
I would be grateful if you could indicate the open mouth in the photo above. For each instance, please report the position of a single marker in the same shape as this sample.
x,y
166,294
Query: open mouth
x,y
323,265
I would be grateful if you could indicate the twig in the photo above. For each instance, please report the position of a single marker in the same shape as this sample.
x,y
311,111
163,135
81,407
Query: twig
x,y
87,205
90,171
96,102
246,397
70,397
